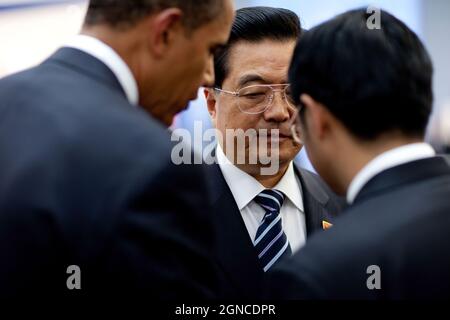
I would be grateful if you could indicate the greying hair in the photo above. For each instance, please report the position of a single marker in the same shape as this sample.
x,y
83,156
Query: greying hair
x,y
255,24
123,14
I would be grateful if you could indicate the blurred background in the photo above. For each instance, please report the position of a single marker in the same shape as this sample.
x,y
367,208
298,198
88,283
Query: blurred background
x,y
31,30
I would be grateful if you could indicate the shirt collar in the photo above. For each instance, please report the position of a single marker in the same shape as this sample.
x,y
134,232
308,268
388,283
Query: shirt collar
x,y
245,188
387,160
291,187
112,60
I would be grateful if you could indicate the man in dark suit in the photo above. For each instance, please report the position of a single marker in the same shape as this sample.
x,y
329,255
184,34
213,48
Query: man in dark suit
x,y
365,97
89,197
262,216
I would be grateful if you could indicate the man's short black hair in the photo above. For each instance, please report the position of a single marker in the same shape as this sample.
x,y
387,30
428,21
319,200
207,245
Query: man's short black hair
x,y
125,13
374,81
255,24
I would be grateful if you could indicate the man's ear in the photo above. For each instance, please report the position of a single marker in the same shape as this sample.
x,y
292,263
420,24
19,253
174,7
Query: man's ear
x,y
164,27
318,119
211,102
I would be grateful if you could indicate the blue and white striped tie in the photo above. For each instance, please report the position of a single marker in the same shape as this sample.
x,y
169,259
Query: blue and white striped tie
x,y
271,243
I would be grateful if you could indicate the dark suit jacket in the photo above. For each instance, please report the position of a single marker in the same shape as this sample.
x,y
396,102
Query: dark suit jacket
x,y
235,251
400,222
86,179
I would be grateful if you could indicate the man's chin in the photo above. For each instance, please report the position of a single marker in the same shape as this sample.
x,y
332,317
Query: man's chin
x,y
282,155
169,118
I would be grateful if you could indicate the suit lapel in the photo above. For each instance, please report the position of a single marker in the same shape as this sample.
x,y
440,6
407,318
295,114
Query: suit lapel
x,y
315,200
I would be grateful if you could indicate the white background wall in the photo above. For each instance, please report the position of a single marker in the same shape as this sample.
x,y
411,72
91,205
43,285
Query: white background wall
x,y
314,12
30,35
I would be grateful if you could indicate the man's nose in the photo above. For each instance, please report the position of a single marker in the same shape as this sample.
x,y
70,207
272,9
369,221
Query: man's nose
x,y
278,110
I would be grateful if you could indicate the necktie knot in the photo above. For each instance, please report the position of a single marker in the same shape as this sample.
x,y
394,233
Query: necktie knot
x,y
271,201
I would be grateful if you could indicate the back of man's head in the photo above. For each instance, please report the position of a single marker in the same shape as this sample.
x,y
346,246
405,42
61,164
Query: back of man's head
x,y
374,81
255,24
168,45
125,13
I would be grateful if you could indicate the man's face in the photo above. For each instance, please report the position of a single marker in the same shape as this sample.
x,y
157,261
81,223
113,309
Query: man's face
x,y
190,63
249,64
322,135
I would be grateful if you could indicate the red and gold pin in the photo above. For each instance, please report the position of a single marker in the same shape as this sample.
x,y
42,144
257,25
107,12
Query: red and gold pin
x,y
326,225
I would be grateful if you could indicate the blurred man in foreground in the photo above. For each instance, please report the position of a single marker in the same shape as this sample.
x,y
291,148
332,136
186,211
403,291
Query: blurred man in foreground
x,y
89,197
365,97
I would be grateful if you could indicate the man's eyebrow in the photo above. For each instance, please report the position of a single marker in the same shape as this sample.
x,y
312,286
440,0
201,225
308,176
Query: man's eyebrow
x,y
250,78
254,78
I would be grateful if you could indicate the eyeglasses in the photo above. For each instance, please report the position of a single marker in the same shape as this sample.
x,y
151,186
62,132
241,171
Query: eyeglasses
x,y
258,98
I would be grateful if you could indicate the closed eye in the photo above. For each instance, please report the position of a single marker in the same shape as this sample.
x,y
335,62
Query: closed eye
x,y
254,95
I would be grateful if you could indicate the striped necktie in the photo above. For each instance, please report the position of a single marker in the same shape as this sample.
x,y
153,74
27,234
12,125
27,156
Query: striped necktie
x,y
271,243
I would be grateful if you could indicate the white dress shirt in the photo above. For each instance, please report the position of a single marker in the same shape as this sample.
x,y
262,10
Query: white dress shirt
x,y
385,161
245,188
112,60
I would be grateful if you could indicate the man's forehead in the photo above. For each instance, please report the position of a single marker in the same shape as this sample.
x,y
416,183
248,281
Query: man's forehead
x,y
261,58
261,69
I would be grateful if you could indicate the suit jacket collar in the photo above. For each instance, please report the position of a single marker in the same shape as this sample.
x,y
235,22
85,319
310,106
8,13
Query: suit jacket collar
x,y
110,58
88,65
388,159
402,175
